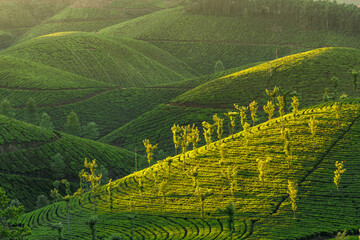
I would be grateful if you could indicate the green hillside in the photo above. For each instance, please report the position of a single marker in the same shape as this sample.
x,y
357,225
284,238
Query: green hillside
x,y
110,60
91,16
5,39
263,209
17,73
307,73
201,40
26,153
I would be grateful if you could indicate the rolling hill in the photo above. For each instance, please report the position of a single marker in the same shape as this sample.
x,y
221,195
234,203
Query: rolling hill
x,y
263,208
92,16
110,60
26,153
307,73
201,40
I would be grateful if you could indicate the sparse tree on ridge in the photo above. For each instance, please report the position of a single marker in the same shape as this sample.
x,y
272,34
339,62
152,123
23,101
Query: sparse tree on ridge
x,y
194,136
176,129
242,111
292,191
313,127
208,131
262,166
222,154
93,179
202,194
232,124
46,123
194,173
339,170
295,105
149,150
281,105
269,108
109,189
335,82
272,94
253,109
185,138
219,123
90,131
31,111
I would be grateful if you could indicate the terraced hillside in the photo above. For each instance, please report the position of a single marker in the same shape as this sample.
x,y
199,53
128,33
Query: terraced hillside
x,y
91,16
307,73
123,62
200,40
165,205
26,159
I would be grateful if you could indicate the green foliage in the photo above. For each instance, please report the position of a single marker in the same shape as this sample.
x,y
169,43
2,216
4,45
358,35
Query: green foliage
x,y
269,108
149,150
6,109
31,111
58,166
219,67
230,212
339,170
90,131
72,124
42,201
92,225
9,214
58,227
45,122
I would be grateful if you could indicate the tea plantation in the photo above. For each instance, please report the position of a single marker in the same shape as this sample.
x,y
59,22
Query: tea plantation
x,y
165,203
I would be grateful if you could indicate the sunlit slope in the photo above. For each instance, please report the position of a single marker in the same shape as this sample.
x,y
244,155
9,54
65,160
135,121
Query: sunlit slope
x,y
25,159
201,40
91,16
16,73
105,59
307,73
263,211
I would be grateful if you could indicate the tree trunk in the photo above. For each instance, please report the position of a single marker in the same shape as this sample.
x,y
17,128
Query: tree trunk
x,y
68,216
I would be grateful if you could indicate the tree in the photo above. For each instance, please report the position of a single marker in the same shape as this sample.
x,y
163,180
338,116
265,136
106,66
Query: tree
x,y
45,122
58,165
281,105
253,109
202,194
242,110
149,150
58,227
326,95
219,123
176,129
339,170
93,179
92,224
247,137
355,76
335,81
229,211
194,173
131,218
338,107
292,191
219,67
232,117
31,111
42,201
194,136
230,174
168,161
140,178
262,165
341,236
79,193
109,189
269,108
287,146
295,105
222,154
73,124
208,131
67,198
9,215
90,131
6,109
272,94
313,127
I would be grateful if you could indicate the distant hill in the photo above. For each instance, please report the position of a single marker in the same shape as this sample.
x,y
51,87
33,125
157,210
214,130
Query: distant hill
x,y
165,204
201,40
307,73
125,62
26,153
93,15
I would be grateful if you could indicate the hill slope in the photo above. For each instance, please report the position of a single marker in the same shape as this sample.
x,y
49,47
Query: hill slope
x,y
264,210
307,73
202,40
110,60
26,153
